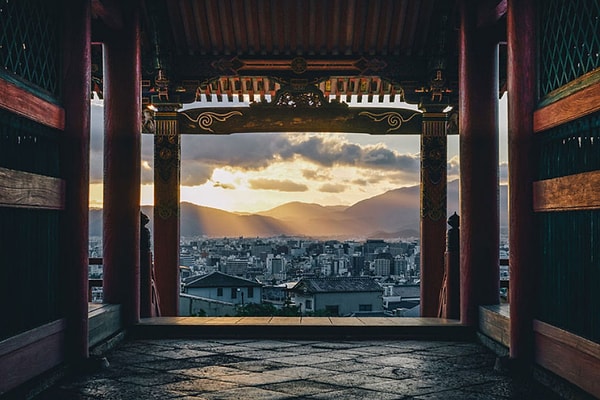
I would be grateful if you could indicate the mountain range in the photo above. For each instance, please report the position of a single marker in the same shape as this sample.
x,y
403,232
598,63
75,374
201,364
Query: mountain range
x,y
393,214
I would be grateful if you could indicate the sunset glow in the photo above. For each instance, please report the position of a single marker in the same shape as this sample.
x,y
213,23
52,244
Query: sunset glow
x,y
257,172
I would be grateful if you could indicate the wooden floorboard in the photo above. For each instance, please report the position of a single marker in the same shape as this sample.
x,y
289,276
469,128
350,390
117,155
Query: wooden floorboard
x,y
309,328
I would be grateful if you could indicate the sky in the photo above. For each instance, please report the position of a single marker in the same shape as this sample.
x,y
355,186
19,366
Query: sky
x,y
253,172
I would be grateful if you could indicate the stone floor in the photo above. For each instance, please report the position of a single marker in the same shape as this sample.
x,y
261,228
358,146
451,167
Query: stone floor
x,y
297,369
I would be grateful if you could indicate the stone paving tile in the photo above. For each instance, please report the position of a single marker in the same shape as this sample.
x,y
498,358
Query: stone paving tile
x,y
301,387
200,385
512,388
253,393
459,395
254,378
305,359
271,344
415,387
214,371
271,369
352,365
299,372
354,380
257,354
355,394
166,365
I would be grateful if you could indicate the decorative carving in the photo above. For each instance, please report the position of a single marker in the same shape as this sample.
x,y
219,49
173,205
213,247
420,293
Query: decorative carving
x,y
166,155
373,65
299,99
393,119
452,124
206,119
299,65
148,124
433,170
298,94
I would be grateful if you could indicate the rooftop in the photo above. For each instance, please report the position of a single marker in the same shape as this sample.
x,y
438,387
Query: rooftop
x,y
337,284
218,279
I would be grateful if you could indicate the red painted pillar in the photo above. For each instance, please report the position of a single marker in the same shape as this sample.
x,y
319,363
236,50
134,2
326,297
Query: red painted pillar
x,y
122,119
433,210
167,149
478,124
521,104
75,160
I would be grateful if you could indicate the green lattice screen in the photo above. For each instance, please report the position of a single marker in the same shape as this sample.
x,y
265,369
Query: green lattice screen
x,y
569,38
29,238
29,37
28,146
569,241
570,148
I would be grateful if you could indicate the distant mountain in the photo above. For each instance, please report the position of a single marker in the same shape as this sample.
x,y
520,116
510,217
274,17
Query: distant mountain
x,y
394,214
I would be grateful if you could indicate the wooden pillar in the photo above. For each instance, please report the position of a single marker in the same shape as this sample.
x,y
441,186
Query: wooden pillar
x,y
75,160
521,104
478,122
122,122
433,210
167,150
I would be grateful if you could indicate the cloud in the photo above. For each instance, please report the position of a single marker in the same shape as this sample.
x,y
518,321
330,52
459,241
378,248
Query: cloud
x,y
360,182
453,171
315,175
332,188
279,185
255,152
195,172
224,185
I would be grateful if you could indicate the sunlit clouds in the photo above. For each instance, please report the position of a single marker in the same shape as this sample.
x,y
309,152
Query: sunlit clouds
x,y
257,172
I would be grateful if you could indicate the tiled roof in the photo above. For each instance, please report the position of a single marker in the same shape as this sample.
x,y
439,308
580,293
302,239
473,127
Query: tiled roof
x,y
219,279
337,284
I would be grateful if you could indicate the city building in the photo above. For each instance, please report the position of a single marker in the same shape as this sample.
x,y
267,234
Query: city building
x,y
337,296
223,287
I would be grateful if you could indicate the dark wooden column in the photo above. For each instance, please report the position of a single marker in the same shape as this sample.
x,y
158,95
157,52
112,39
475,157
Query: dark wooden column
x,y
478,122
75,160
521,104
433,210
167,149
122,119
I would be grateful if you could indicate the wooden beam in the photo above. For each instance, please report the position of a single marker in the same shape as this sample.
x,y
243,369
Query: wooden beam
x,y
575,100
26,190
392,121
22,102
572,357
567,193
31,353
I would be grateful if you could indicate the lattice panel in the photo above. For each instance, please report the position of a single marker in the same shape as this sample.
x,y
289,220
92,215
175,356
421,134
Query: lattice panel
x,y
29,42
28,146
569,41
570,148
568,295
